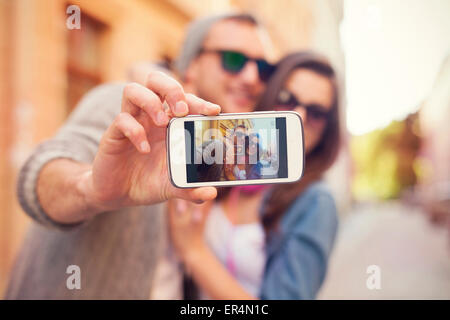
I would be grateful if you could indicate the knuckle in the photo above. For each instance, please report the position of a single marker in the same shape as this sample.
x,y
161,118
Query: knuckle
x,y
120,118
154,75
136,131
163,80
174,87
175,93
151,102
130,88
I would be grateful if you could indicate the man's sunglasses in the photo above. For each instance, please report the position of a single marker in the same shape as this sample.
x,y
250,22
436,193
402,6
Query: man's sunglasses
x,y
234,62
315,112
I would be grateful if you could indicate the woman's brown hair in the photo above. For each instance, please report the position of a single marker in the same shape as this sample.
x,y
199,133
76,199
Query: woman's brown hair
x,y
325,152
321,157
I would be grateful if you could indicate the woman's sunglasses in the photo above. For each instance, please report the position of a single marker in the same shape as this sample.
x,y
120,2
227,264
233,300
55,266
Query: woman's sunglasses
x,y
315,112
234,62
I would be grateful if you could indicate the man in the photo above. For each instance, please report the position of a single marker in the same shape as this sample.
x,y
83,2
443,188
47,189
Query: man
x,y
95,187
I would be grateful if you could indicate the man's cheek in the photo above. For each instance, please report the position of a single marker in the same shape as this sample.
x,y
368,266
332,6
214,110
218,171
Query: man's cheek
x,y
260,89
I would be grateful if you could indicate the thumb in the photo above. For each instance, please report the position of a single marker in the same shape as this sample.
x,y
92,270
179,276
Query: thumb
x,y
198,195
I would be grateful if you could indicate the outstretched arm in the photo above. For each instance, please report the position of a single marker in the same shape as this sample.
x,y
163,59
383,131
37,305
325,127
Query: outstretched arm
x,y
128,165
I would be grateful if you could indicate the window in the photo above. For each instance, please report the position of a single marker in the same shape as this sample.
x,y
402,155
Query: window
x,y
83,59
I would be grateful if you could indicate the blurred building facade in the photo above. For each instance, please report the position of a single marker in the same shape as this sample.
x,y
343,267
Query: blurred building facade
x,y
435,153
45,67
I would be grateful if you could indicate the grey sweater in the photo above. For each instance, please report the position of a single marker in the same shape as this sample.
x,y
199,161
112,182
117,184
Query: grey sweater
x,y
116,251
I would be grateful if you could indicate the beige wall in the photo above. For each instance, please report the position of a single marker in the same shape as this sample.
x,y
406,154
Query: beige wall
x,y
434,119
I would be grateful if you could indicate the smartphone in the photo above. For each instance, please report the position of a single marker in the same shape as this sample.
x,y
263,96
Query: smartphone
x,y
235,149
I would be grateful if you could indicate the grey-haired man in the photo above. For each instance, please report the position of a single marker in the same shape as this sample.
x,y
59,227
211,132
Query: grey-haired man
x,y
95,188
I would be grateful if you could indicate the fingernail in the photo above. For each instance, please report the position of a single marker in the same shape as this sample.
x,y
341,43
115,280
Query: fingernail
x,y
161,118
181,107
145,147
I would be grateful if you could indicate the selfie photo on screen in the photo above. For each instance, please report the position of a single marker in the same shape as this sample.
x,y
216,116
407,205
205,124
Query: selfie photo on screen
x,y
236,149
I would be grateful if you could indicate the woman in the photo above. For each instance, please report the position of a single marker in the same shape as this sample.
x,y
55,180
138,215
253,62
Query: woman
x,y
270,242
252,153
248,166
236,169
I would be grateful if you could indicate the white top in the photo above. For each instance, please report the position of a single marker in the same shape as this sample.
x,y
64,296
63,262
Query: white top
x,y
240,248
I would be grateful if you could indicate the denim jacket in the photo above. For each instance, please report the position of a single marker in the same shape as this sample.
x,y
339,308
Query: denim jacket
x,y
298,252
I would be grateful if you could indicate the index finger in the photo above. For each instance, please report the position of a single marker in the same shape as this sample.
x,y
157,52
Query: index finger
x,y
200,106
169,90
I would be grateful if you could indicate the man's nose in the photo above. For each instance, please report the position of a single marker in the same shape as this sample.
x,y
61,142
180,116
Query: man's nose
x,y
250,73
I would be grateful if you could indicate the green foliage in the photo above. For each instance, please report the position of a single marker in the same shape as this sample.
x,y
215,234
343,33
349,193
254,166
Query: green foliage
x,y
383,161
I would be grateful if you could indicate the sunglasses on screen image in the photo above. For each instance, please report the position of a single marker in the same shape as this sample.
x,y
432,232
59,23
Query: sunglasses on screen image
x,y
234,62
316,114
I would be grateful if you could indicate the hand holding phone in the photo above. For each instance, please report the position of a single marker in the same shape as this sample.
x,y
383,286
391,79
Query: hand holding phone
x,y
130,167
235,149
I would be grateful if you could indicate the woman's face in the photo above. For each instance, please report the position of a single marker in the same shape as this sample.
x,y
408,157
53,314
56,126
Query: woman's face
x,y
311,89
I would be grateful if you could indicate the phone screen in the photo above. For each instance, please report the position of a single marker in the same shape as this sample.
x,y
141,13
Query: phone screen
x,y
236,149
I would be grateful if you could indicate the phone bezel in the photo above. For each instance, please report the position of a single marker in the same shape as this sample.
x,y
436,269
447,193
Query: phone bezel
x,y
295,156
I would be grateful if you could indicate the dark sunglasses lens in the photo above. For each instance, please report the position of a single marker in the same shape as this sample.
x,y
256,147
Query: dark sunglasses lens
x,y
233,61
316,115
286,100
265,70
